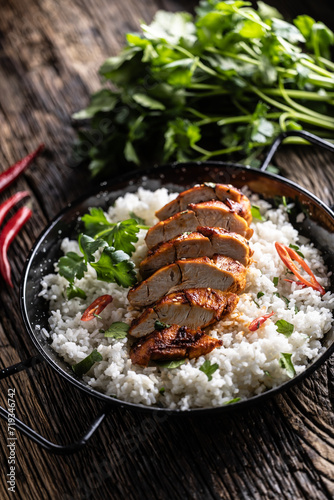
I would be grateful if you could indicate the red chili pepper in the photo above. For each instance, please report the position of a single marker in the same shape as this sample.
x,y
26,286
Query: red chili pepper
x,y
299,283
9,175
256,323
10,203
96,307
287,256
10,230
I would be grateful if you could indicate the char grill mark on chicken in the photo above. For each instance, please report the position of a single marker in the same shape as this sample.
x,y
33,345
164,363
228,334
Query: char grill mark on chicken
x,y
220,273
210,213
194,308
206,241
207,192
172,343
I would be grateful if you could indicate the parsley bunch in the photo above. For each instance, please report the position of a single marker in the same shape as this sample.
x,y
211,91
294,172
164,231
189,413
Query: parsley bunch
x,y
226,81
115,240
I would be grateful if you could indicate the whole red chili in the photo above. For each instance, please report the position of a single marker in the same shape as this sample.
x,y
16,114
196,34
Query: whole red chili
x,y
9,175
10,230
257,322
96,307
10,203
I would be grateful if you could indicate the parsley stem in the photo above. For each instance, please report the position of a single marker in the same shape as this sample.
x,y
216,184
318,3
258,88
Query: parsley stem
x,y
298,107
316,69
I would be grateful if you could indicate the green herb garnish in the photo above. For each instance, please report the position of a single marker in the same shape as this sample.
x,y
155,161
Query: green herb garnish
x,y
285,362
296,248
275,280
209,368
231,401
162,390
86,364
171,365
259,295
284,327
117,330
296,310
230,75
256,214
159,325
285,204
140,221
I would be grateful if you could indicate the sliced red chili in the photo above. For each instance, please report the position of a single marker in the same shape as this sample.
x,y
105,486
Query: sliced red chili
x,y
256,323
12,173
299,283
288,255
96,307
7,235
7,205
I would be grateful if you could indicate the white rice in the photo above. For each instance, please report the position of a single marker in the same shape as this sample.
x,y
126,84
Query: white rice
x,y
248,361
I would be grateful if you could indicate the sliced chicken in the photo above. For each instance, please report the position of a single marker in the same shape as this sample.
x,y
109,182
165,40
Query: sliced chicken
x,y
220,273
209,213
194,308
206,241
173,342
206,192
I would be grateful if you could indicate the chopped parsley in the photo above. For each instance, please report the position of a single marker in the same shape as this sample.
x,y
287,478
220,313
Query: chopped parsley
x,y
159,325
296,249
209,368
259,295
117,330
86,364
256,214
286,363
171,365
231,401
275,280
284,327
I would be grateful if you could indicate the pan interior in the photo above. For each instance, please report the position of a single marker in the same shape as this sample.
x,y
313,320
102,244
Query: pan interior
x,y
318,225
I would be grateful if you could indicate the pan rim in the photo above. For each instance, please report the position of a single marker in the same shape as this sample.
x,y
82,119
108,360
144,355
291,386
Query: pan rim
x,y
79,383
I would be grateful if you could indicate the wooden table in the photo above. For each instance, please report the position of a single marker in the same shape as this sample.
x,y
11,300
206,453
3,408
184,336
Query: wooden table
x,y
49,55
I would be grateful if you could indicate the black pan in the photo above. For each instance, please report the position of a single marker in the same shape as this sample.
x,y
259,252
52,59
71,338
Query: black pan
x,y
318,225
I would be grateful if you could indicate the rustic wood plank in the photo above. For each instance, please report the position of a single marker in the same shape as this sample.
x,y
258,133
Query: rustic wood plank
x,y
49,55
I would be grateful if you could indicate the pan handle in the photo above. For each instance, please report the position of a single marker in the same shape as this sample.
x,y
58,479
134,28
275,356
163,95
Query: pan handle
x,y
33,435
298,133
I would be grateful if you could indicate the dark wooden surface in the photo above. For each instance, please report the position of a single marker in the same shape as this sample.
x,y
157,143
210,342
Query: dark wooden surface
x,y
50,51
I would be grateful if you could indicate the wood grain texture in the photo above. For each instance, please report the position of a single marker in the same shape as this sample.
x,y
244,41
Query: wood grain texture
x,y
50,51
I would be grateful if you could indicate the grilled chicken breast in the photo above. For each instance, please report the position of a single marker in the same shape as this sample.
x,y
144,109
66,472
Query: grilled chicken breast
x,y
194,308
220,273
206,241
209,213
173,342
206,192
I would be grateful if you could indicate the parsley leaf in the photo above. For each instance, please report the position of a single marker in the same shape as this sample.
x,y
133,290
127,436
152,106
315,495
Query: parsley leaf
x,y
275,280
259,295
122,236
86,364
115,267
286,363
209,368
284,327
95,221
159,325
72,266
231,401
88,246
138,219
171,365
256,214
296,248
74,291
117,330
